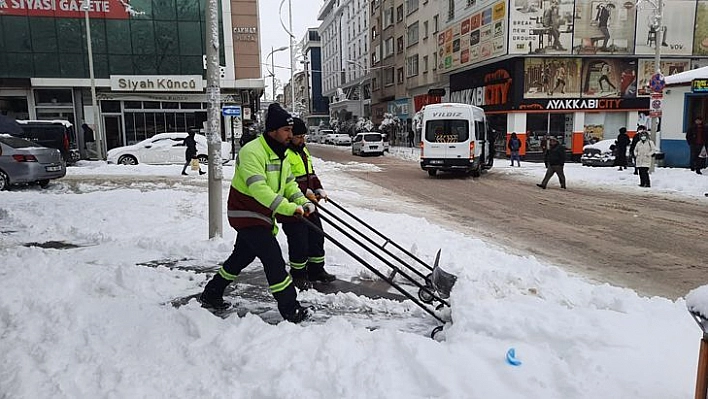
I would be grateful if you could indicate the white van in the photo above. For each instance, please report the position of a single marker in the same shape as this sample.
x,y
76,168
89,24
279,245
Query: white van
x,y
454,137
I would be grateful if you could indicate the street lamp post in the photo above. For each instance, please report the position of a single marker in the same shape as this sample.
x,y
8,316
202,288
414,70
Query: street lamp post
x,y
656,25
213,131
96,120
289,31
272,65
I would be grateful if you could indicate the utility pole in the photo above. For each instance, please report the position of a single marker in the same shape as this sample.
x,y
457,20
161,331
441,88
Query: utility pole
x,y
100,142
657,22
292,56
213,132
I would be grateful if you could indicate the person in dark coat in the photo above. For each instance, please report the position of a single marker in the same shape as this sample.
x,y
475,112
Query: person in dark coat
x,y
514,145
190,152
554,158
697,138
621,149
640,129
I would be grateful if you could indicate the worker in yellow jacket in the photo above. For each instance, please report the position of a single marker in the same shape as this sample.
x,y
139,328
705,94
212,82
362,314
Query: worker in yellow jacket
x,y
305,243
263,186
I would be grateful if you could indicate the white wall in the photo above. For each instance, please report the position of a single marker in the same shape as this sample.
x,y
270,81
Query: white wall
x,y
672,113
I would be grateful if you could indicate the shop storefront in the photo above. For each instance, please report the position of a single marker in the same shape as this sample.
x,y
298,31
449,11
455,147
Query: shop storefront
x,y
578,101
685,98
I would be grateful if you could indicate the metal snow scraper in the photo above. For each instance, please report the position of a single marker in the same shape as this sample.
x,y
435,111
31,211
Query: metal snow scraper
x,y
436,283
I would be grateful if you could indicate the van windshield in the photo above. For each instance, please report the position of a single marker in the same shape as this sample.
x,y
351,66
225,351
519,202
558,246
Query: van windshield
x,y
447,130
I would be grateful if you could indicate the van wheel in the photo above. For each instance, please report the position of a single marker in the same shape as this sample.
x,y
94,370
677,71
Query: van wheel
x,y
127,160
432,172
4,181
44,183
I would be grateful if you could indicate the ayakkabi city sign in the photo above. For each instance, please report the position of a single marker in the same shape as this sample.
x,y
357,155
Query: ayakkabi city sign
x,y
167,83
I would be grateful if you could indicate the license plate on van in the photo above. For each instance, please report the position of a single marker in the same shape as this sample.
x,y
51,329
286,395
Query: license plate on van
x,y
53,168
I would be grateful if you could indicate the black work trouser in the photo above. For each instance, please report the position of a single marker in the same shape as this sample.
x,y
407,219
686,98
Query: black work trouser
x,y
259,242
305,242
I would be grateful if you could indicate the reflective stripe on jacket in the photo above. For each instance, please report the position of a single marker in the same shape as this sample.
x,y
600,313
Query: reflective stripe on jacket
x,y
262,186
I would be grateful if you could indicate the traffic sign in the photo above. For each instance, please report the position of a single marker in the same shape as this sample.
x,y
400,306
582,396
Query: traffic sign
x,y
657,82
231,110
655,104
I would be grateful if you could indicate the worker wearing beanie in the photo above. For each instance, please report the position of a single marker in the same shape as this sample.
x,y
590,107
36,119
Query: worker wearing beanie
x,y
305,243
262,187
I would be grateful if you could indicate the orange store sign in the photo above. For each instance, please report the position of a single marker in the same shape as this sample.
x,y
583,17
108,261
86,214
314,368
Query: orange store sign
x,y
108,9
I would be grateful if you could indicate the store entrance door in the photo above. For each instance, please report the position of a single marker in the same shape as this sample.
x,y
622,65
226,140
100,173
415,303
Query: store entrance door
x,y
113,131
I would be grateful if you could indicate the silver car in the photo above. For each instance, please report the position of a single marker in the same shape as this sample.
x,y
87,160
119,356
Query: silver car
x,y
24,162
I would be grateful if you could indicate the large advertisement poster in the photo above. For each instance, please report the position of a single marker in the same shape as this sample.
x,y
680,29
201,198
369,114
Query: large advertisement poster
x,y
676,29
108,9
604,27
609,77
646,70
476,38
700,38
541,26
552,77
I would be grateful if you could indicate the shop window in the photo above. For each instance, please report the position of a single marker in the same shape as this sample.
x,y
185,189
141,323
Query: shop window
x,y
191,105
133,105
540,127
110,106
53,97
151,104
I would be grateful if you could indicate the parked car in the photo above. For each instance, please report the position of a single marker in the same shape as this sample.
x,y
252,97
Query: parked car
x,y
321,136
601,154
57,134
162,148
338,139
368,143
25,162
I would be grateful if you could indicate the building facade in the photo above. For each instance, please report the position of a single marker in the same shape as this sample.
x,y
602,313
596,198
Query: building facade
x,y
317,111
148,62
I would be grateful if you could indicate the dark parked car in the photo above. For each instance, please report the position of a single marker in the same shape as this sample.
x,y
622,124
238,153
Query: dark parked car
x,y
57,134
602,153
24,162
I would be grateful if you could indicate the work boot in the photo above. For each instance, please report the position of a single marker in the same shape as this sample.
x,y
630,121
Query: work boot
x,y
299,314
213,295
322,276
201,173
184,173
300,279
541,185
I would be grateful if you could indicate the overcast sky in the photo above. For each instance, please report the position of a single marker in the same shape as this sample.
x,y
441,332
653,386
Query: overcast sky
x,y
273,35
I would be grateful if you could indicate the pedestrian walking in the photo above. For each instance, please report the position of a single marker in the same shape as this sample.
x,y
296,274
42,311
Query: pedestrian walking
x,y
697,138
554,158
262,187
621,149
644,151
635,140
190,152
514,146
305,243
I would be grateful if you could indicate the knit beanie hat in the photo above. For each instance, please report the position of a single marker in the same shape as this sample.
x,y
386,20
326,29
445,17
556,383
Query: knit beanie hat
x,y
299,127
277,117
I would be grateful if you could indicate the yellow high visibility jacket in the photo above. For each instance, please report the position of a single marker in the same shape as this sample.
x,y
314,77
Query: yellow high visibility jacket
x,y
263,185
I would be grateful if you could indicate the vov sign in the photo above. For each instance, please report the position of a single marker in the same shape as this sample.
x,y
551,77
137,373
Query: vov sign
x,y
231,110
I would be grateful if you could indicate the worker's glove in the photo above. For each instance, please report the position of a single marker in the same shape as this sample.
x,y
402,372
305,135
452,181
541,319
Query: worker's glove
x,y
310,195
299,211
309,208
321,194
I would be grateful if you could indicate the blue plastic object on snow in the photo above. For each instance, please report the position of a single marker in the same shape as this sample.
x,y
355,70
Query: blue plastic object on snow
x,y
511,357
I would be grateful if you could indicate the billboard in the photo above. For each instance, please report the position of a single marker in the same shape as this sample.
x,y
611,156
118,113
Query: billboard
x,y
700,37
677,28
476,38
107,9
604,27
552,78
609,77
646,70
540,26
